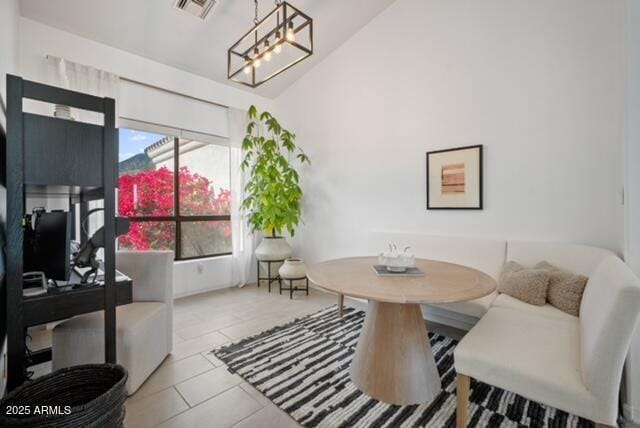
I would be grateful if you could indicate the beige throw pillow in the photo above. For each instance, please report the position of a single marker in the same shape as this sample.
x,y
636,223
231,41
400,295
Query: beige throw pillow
x,y
565,288
528,285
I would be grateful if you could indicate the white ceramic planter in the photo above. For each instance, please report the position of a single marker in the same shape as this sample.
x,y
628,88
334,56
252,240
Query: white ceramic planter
x,y
271,248
293,269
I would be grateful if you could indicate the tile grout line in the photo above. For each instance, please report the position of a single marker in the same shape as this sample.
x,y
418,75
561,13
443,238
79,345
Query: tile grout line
x,y
179,413
184,399
263,406
164,390
176,359
184,380
208,399
239,321
251,414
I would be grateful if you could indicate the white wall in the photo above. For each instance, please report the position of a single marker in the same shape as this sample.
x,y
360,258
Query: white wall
x,y
632,159
192,277
539,84
36,40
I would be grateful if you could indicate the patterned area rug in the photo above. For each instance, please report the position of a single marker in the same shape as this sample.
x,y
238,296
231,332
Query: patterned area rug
x,y
303,367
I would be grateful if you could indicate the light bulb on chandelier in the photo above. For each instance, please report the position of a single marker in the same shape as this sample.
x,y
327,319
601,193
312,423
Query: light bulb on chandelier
x,y
256,57
247,65
278,43
267,51
291,35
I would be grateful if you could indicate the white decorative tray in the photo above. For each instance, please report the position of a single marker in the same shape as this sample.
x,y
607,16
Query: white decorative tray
x,y
381,270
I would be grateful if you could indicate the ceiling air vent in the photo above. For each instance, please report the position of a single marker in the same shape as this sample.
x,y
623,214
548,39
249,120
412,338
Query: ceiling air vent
x,y
198,8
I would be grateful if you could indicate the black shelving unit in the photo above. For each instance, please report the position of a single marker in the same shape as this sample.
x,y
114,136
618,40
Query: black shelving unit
x,y
48,156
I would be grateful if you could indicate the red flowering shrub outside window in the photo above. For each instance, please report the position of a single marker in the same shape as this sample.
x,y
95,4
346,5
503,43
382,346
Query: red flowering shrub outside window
x,y
147,198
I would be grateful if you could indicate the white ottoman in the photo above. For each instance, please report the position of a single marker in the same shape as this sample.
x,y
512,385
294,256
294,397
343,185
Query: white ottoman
x,y
140,336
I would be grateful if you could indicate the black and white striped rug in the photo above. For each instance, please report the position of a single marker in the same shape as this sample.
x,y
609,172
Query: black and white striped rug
x,y
303,367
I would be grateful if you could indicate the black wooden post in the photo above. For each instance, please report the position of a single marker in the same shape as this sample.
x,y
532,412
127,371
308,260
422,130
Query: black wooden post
x,y
15,215
110,151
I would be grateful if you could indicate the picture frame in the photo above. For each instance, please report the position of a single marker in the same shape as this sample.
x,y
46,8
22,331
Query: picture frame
x,y
455,178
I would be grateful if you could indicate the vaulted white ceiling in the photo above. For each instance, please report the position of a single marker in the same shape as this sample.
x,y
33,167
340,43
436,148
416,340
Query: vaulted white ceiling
x,y
155,30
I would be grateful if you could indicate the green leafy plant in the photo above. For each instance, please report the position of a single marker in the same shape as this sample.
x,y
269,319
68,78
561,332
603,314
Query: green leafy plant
x,y
273,190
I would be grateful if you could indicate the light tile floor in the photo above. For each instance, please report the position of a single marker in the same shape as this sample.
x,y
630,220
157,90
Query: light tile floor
x,y
192,387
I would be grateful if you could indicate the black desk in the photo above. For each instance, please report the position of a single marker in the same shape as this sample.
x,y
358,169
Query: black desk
x,y
65,302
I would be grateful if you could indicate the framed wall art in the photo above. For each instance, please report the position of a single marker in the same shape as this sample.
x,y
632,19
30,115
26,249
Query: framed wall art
x,y
454,179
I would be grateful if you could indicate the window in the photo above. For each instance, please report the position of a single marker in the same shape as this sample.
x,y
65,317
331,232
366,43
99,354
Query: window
x,y
175,191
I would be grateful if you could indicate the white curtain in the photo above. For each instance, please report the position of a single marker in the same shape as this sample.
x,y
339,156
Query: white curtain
x,y
88,80
85,79
242,239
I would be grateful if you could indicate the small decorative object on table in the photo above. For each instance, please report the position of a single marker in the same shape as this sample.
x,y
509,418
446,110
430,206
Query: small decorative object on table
x,y
294,270
396,261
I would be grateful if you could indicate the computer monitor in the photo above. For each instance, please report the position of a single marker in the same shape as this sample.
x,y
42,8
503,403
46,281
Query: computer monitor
x,y
51,245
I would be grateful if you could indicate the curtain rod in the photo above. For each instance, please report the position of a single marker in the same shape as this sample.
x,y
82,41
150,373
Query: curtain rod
x,y
137,82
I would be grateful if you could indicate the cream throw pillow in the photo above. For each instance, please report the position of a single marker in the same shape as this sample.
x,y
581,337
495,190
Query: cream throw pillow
x,y
565,288
528,285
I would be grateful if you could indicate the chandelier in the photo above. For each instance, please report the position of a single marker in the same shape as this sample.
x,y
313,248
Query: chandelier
x,y
276,43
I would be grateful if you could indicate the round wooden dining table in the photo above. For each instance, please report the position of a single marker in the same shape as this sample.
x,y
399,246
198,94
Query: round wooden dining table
x,y
393,361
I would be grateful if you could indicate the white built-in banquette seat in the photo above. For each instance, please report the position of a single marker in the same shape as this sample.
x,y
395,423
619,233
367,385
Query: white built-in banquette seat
x,y
544,354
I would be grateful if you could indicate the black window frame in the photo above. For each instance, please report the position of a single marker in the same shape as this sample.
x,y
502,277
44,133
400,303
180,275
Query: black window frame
x,y
177,218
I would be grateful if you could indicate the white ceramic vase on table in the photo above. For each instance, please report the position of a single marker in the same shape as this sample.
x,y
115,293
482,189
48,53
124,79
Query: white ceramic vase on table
x,y
397,261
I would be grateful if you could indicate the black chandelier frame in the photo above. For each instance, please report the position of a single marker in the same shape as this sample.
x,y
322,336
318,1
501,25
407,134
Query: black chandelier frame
x,y
288,14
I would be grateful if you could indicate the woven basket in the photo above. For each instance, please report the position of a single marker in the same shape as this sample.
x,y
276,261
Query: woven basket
x,y
94,394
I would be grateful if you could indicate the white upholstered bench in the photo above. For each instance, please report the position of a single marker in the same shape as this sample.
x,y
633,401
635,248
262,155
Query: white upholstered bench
x,y
571,363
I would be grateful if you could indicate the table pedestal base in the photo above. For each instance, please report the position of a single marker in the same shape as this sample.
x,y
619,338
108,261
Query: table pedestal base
x,y
393,361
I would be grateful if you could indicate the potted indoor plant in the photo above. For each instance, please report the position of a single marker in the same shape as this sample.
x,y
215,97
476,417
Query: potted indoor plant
x,y
273,193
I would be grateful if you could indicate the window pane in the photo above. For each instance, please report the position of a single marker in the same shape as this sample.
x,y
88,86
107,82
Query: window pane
x,y
149,235
204,178
146,174
205,238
